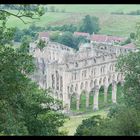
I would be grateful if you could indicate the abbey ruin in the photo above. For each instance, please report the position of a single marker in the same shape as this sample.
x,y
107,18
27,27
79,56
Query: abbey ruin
x,y
68,72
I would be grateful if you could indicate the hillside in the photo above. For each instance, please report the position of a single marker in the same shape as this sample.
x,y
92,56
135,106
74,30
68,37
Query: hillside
x,y
119,25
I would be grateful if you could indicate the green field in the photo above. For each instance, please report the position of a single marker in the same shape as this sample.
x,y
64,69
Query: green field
x,y
99,8
119,25
71,124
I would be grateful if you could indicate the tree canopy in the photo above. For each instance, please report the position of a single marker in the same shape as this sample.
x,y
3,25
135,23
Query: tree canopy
x,y
25,108
89,24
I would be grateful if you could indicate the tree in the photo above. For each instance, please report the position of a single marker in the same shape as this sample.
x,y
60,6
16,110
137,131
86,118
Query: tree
x,y
123,121
127,122
52,8
63,10
137,37
24,47
41,44
54,36
130,65
127,41
88,126
25,109
89,24
66,39
132,35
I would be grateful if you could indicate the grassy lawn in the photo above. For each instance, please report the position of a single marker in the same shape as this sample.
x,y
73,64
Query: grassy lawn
x,y
71,124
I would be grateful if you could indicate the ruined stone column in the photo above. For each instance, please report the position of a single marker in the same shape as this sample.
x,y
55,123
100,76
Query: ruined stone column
x,y
78,102
87,99
105,93
95,98
114,91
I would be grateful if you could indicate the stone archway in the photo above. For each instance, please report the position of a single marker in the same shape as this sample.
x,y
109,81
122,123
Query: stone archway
x,y
109,92
101,97
73,101
91,101
119,92
83,100
91,84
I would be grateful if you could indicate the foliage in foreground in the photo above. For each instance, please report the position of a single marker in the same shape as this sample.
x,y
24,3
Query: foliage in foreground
x,y
24,108
124,123
123,119
20,99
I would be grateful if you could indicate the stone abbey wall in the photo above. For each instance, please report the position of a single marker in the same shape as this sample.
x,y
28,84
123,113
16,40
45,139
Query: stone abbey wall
x,y
67,72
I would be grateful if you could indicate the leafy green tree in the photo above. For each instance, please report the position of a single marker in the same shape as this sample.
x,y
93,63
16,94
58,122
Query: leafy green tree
x,y
41,44
24,47
89,24
127,122
25,109
132,35
66,39
54,36
137,37
88,126
130,65
127,41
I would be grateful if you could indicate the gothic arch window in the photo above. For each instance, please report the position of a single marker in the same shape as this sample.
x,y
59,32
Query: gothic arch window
x,y
61,96
95,82
71,89
81,87
110,67
67,65
75,75
94,60
118,77
43,66
103,58
94,71
100,81
104,80
57,80
101,70
76,64
76,87
91,71
85,73
109,79
86,84
61,83
113,77
85,63
68,89
53,81
91,83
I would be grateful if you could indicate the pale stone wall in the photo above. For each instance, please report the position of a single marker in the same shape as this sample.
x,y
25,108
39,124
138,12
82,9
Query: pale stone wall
x,y
67,72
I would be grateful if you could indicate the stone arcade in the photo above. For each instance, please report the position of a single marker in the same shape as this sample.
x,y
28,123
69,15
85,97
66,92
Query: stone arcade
x,y
68,72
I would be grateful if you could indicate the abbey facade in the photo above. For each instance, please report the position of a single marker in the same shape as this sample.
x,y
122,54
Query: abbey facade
x,y
68,72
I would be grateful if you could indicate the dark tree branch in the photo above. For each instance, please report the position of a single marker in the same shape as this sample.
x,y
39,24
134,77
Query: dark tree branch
x,y
19,16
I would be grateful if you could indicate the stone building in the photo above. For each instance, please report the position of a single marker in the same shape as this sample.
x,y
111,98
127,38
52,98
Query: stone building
x,y
68,72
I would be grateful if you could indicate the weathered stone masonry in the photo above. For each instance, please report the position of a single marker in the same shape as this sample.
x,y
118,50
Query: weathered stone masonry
x,y
68,72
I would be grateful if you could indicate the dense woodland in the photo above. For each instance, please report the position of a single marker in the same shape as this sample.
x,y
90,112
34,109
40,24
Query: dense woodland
x,y
21,100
